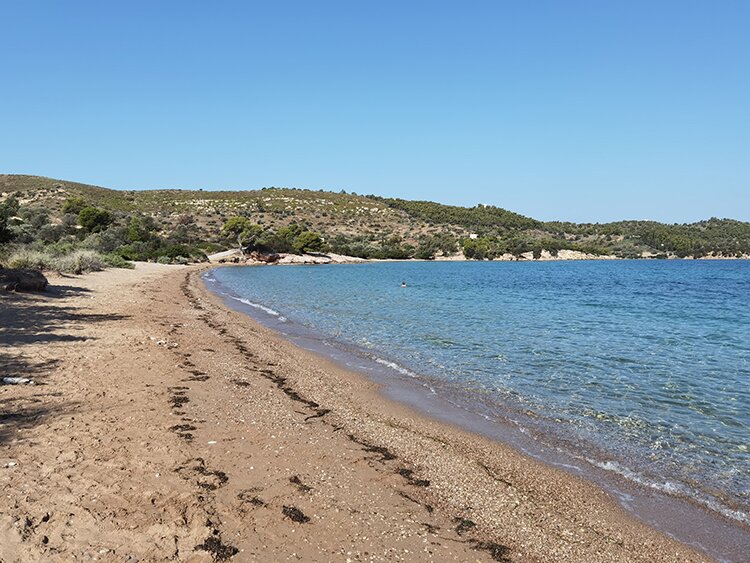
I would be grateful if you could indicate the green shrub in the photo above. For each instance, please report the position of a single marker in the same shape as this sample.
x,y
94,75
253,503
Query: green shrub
x,y
51,233
141,228
76,262
241,229
93,219
307,241
24,258
117,261
175,250
211,247
74,205
79,262
107,241
59,248
8,209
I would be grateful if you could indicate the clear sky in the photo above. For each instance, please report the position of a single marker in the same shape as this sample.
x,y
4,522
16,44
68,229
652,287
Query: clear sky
x,y
575,110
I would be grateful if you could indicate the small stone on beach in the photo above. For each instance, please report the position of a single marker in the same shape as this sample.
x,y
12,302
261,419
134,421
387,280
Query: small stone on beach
x,y
17,381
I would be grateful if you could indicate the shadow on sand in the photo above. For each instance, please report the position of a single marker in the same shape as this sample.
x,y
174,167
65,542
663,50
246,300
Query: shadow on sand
x,y
27,319
39,318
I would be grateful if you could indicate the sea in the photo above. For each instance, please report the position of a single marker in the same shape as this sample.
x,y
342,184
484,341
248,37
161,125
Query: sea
x,y
639,369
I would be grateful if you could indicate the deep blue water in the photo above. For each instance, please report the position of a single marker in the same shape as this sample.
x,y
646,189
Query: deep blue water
x,y
638,367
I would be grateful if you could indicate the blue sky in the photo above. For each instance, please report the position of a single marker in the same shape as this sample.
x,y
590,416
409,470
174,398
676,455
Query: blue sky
x,y
572,110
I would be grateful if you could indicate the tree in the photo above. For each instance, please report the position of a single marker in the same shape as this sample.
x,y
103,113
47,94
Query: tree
x,y
426,249
243,231
93,219
140,228
289,233
74,205
8,209
307,241
479,248
28,224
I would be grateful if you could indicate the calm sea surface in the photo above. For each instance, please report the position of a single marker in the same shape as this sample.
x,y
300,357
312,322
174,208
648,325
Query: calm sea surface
x,y
641,368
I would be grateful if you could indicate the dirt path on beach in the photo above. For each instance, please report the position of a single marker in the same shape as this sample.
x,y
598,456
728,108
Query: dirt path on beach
x,y
165,427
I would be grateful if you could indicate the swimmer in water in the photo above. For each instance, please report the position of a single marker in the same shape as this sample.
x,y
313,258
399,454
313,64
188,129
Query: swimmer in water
x,y
403,284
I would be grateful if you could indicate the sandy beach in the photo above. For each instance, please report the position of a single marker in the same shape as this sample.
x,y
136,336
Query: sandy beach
x,y
165,426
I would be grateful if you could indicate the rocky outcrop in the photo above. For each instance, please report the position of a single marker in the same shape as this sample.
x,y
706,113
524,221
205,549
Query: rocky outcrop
x,y
318,258
23,280
255,257
566,254
271,258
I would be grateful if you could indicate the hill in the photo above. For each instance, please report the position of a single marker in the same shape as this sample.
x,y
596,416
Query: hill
x,y
368,226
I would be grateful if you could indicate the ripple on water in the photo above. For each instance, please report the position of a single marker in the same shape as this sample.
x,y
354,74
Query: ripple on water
x,y
645,363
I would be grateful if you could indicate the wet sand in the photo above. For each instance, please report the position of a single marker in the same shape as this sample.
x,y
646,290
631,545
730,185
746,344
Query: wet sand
x,y
167,426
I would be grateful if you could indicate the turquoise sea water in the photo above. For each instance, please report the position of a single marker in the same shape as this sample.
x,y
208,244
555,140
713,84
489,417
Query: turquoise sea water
x,y
641,368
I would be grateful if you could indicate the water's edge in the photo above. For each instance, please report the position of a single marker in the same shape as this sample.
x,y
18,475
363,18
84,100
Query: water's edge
x,y
684,520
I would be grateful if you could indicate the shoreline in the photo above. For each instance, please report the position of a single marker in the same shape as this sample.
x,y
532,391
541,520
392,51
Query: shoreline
x,y
170,426
225,258
684,518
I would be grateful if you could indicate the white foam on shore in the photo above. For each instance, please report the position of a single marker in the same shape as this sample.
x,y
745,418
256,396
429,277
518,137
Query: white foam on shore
x,y
263,308
670,488
394,366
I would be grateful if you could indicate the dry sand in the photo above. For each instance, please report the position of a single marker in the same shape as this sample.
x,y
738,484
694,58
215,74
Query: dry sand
x,y
166,427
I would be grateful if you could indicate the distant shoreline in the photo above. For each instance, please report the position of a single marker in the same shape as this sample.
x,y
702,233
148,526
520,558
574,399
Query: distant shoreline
x,y
227,257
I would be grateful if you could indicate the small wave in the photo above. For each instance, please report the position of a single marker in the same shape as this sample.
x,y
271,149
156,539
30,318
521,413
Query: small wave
x,y
262,308
569,466
396,367
671,489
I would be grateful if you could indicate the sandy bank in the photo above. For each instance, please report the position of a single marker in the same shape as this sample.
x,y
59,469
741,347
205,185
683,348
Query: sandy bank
x,y
165,426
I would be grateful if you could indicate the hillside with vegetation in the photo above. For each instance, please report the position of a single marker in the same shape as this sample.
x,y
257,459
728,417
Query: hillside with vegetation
x,y
57,224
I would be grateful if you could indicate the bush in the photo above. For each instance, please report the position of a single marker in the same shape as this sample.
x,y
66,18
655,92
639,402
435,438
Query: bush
x,y
175,250
117,261
211,247
51,233
107,241
60,248
307,241
32,259
93,219
7,210
79,262
74,205
140,229
139,250
76,262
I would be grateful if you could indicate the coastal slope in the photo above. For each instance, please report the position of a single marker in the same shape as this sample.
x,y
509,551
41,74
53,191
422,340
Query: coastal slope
x,y
163,425
355,225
